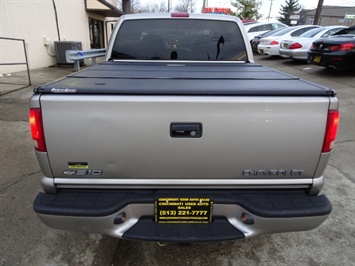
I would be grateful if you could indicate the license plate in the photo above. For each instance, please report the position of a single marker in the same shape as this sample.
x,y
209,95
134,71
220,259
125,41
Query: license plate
x,y
261,51
285,45
183,210
317,59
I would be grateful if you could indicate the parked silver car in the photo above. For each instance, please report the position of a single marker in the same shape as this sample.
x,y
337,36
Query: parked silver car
x,y
297,48
271,45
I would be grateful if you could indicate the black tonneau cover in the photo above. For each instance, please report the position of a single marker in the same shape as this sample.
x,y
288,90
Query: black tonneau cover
x,y
183,78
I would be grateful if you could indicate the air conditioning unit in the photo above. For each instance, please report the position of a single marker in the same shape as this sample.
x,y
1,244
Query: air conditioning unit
x,y
62,46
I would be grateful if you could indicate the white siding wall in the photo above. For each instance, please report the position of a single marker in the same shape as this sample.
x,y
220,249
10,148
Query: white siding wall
x,y
31,20
114,3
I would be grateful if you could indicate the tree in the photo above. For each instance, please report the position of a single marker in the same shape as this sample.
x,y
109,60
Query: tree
x,y
186,6
247,9
153,8
291,7
137,7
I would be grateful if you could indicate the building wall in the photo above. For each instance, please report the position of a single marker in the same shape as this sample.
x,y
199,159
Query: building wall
x,y
34,21
330,15
95,4
329,21
112,2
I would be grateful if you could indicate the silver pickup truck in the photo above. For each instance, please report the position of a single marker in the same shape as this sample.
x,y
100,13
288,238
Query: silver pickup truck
x,y
180,137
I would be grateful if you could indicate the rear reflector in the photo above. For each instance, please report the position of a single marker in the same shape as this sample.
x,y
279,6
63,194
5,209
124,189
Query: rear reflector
x,y
180,15
337,58
36,126
331,130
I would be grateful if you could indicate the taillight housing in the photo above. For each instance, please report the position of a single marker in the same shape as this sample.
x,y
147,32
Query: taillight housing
x,y
36,126
331,130
342,47
295,45
274,43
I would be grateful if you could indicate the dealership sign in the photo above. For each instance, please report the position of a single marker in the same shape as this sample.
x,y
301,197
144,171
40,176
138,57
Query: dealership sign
x,y
217,10
350,16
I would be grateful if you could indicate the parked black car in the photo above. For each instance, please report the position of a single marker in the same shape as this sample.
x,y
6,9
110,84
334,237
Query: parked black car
x,y
337,51
256,40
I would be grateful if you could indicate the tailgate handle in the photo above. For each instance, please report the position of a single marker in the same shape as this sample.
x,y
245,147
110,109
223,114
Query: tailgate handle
x,y
186,130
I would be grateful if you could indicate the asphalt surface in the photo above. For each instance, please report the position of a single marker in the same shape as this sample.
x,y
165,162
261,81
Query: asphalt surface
x,y
26,241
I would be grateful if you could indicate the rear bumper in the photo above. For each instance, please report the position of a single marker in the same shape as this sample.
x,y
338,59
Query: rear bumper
x,y
96,211
268,49
294,54
336,60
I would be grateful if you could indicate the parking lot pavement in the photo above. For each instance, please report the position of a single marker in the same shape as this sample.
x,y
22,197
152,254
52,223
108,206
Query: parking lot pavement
x,y
26,241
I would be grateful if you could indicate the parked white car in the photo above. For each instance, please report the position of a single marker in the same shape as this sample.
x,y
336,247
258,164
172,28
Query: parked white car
x,y
271,45
256,28
297,48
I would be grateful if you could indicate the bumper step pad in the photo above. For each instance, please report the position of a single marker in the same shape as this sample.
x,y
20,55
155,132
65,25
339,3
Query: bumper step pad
x,y
264,203
147,229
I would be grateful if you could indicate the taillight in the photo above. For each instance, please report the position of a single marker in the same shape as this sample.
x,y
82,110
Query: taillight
x,y
342,47
331,130
295,45
36,126
334,48
274,43
347,46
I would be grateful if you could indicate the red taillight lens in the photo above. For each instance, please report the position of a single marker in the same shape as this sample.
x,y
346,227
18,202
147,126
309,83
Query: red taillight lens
x,y
347,46
36,127
295,45
331,130
274,43
342,47
334,48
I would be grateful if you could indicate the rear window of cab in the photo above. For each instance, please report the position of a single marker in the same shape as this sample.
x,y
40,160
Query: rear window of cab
x,y
179,39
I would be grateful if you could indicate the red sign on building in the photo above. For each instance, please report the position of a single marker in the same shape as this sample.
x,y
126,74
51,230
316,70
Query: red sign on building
x,y
217,10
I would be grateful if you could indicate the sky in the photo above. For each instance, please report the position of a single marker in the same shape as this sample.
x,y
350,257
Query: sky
x,y
265,8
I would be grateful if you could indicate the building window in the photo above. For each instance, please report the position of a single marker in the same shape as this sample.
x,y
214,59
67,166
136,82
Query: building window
x,y
96,33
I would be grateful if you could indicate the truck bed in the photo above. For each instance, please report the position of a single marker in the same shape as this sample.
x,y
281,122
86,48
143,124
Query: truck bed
x,y
157,78
129,125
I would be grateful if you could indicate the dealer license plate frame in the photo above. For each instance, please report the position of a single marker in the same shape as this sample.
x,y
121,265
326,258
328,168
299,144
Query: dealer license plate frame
x,y
183,210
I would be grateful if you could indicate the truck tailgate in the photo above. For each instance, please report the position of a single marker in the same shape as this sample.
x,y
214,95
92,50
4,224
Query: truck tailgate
x,y
129,136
